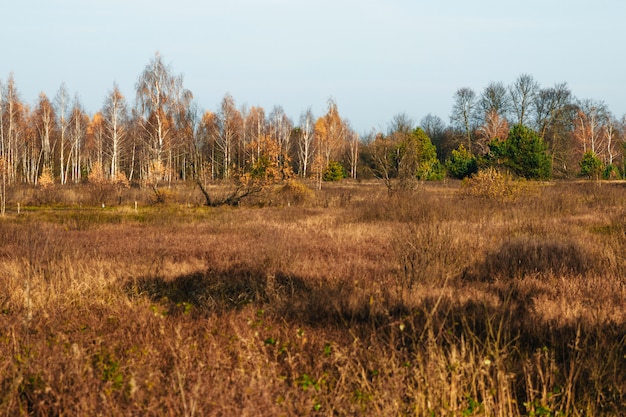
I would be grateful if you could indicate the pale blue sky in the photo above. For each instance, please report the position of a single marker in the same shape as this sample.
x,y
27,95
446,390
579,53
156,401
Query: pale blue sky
x,y
375,58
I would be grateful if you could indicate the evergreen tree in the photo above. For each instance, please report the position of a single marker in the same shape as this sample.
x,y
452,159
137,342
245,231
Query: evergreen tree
x,y
524,153
461,163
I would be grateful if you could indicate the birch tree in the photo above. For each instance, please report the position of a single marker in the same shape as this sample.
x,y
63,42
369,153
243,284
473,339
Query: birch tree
x,y
353,152
160,98
280,129
77,132
115,117
254,130
62,111
45,125
229,130
305,139
11,128
590,126
330,132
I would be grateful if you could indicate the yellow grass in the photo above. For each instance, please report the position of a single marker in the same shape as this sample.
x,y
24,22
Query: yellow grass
x,y
351,302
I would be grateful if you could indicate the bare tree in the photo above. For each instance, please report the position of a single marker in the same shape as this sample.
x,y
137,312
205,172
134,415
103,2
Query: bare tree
x,y
230,122
255,129
305,142
554,117
612,135
11,128
494,99
77,132
463,113
115,114
62,110
45,126
353,152
523,92
590,126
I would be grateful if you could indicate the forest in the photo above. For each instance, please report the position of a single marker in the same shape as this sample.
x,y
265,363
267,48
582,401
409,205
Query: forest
x,y
163,136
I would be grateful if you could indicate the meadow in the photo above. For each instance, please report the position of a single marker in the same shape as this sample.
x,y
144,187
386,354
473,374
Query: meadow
x,y
349,300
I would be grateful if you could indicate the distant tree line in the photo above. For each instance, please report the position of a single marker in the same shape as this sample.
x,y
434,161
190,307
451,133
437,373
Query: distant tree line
x,y
163,136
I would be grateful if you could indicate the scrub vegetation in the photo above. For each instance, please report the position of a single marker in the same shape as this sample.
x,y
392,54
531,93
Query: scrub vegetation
x,y
491,297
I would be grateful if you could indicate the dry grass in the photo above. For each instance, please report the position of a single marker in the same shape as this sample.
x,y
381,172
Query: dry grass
x,y
345,301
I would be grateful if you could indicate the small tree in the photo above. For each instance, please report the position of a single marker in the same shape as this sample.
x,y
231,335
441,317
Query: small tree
x,y
591,166
461,163
334,172
524,153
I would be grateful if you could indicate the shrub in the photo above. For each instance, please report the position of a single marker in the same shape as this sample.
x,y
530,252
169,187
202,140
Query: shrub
x,y
611,172
295,192
591,166
493,184
461,163
333,172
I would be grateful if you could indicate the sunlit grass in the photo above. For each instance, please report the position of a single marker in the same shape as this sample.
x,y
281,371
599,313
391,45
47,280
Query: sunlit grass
x,y
353,302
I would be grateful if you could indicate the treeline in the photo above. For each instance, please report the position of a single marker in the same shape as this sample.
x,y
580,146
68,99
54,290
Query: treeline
x,y
164,136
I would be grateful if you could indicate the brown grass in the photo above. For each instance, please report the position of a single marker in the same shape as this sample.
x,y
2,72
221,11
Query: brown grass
x,y
345,301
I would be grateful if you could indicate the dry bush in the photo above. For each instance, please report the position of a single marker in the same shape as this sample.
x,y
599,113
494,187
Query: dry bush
x,y
494,184
294,192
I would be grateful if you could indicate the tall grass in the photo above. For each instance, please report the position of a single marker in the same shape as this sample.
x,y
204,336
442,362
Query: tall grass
x,y
347,302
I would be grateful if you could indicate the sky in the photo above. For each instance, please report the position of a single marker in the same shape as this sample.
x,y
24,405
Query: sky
x,y
374,58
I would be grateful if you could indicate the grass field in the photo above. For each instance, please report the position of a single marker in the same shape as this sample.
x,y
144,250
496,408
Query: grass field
x,y
344,301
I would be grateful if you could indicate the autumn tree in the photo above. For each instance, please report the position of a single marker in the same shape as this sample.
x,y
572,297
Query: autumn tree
x,y
352,152
305,141
494,127
229,131
208,161
382,159
280,129
254,130
95,143
44,121
62,112
78,124
12,128
403,156
330,135
329,131
161,100
115,118
590,127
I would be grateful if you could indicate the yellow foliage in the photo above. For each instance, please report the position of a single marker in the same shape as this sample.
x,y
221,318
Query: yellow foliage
x,y
97,175
493,184
46,179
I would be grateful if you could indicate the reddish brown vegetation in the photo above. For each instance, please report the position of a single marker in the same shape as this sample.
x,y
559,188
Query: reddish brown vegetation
x,y
351,302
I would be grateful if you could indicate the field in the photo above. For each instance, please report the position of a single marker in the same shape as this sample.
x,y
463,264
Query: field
x,y
344,301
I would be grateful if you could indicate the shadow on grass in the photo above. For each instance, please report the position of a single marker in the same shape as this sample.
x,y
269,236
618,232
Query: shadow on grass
x,y
289,297
532,256
586,357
